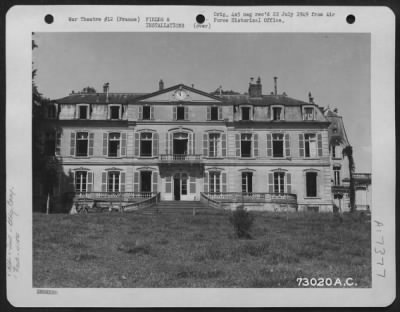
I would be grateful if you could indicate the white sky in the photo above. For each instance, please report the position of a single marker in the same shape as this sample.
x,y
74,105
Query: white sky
x,y
334,67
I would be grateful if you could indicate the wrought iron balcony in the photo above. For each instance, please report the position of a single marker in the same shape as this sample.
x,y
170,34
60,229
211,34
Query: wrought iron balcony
x,y
180,158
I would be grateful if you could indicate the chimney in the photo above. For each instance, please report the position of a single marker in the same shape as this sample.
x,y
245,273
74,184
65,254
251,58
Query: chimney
x,y
161,85
310,98
275,85
106,88
220,90
255,89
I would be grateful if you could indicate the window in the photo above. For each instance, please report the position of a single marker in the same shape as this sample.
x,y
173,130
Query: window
x,y
247,182
82,144
180,113
51,111
214,144
245,113
83,112
279,186
245,145
336,175
146,139
277,113
113,181
311,184
308,113
215,182
310,145
335,151
81,181
115,112
50,144
114,144
146,113
214,113
184,184
145,181
277,145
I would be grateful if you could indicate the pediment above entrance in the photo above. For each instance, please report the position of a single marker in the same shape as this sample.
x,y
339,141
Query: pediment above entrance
x,y
179,93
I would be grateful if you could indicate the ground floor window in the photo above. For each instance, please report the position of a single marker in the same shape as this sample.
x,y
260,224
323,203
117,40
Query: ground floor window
x,y
279,184
247,182
113,181
215,182
145,181
311,184
81,181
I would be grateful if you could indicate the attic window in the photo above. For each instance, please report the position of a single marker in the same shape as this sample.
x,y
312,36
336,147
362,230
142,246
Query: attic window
x,y
115,112
277,113
83,112
308,113
214,113
245,113
146,112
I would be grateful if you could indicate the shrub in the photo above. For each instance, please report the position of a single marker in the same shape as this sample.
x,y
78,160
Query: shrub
x,y
242,222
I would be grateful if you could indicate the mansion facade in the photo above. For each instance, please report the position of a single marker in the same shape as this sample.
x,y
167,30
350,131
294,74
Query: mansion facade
x,y
183,143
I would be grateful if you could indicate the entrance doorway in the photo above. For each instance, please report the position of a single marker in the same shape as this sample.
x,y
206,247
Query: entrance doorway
x,y
145,181
180,186
180,143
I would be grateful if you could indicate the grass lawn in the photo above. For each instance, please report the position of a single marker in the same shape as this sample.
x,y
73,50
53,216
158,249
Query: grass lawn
x,y
181,250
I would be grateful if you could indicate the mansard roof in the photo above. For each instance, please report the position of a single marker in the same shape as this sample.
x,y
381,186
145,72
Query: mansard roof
x,y
263,100
99,98
336,129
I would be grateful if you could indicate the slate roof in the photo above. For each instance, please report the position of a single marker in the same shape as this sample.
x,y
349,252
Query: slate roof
x,y
99,98
336,129
264,100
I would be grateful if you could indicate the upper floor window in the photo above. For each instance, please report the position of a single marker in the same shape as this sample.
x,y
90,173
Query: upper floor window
x,y
311,184
245,147
146,140
308,113
214,113
335,151
83,111
146,113
115,112
336,175
245,113
277,145
180,113
82,144
310,145
277,113
214,144
114,141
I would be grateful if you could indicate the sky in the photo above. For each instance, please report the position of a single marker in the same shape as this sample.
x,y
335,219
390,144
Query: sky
x,y
335,68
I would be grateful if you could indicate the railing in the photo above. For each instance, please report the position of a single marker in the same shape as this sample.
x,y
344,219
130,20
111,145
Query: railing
x,y
251,197
180,157
209,201
362,207
366,176
143,204
111,196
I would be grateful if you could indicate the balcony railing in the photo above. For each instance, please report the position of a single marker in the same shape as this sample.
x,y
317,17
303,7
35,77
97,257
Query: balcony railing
x,y
252,197
180,157
111,196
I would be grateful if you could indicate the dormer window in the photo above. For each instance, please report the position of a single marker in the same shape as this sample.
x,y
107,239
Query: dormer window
x,y
114,112
83,111
277,113
308,113
245,113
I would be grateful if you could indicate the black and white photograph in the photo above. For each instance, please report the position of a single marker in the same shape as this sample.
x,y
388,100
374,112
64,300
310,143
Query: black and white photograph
x,y
201,160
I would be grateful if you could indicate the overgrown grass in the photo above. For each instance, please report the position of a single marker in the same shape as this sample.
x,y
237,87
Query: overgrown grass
x,y
181,250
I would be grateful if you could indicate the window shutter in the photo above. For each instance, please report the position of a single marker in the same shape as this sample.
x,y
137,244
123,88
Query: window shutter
x,y
270,182
287,144
194,143
72,146
237,140
205,144
224,145
269,145
166,144
206,182
190,143
168,184
208,112
58,143
152,112
155,182
219,113
170,141
104,181
105,139
174,112
192,185
255,139
123,144
288,183
224,182
140,112
91,143
186,110
301,144
155,144
137,141
90,181
136,181
71,186
319,144
122,184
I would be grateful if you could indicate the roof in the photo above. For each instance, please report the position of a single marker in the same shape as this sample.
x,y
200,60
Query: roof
x,y
336,129
94,98
263,100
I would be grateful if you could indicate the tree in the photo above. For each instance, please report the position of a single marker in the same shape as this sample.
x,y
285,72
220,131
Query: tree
x,y
348,151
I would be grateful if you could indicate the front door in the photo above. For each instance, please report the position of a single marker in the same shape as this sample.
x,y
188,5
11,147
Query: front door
x,y
177,188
